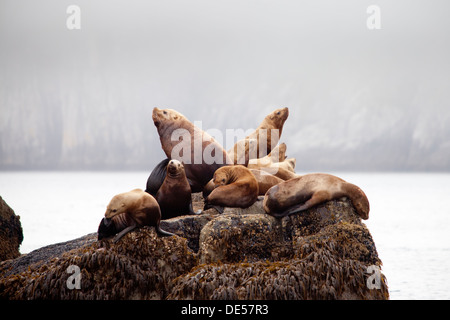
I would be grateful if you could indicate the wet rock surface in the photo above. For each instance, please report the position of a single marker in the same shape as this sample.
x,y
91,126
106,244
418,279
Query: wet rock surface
x,y
322,253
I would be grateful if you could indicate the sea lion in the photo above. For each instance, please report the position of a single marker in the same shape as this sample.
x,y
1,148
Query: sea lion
x,y
288,164
201,154
278,154
275,159
268,133
208,188
174,195
306,191
279,172
128,211
234,186
265,180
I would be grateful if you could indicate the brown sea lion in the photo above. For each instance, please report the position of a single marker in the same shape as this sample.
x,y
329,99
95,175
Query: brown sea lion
x,y
267,134
275,159
287,164
128,211
208,188
306,191
279,172
234,186
277,154
201,154
174,195
265,180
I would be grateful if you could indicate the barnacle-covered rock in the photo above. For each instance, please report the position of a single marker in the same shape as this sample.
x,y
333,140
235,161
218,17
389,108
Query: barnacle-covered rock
x,y
325,252
140,266
11,235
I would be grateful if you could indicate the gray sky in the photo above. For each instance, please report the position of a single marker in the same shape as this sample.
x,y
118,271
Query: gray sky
x,y
359,99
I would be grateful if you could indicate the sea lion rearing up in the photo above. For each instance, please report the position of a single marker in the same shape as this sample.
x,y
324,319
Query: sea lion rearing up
x,y
174,195
201,154
128,211
234,186
267,135
306,191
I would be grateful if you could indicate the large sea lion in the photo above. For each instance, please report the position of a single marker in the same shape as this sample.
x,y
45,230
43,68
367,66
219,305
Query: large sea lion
x,y
174,195
128,211
267,134
201,154
306,191
234,186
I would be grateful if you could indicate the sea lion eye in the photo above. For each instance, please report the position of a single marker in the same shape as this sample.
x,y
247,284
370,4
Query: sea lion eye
x,y
278,113
165,112
223,180
114,210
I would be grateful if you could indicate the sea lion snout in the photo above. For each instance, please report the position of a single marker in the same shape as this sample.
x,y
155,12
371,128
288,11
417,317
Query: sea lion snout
x,y
174,166
155,116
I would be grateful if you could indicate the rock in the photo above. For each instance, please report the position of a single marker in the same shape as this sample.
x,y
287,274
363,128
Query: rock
x,y
322,253
11,235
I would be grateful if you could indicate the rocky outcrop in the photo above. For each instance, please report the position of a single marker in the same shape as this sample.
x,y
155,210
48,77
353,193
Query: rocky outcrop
x,y
322,253
11,235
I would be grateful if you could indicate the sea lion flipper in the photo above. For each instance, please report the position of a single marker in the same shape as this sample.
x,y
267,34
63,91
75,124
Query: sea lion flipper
x,y
209,206
124,232
316,198
163,233
191,210
219,209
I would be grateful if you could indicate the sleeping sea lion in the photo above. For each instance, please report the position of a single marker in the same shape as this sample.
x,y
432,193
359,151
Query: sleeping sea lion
x,y
306,191
128,211
234,186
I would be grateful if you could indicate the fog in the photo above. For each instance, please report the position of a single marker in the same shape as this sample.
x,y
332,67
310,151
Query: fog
x,y
359,99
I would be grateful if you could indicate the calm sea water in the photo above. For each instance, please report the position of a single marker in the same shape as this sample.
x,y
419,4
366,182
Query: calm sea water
x,y
409,218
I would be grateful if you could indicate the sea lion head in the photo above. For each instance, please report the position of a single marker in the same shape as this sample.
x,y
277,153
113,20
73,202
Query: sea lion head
x,y
220,177
174,168
361,204
106,229
160,116
279,116
116,206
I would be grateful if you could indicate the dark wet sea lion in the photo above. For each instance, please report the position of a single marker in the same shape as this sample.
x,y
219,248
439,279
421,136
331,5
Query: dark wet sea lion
x,y
306,191
174,195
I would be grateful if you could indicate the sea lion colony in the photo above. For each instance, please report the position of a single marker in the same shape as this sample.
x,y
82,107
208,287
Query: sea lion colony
x,y
227,179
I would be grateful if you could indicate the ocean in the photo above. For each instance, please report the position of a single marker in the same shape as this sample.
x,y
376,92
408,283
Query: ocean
x,y
409,218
